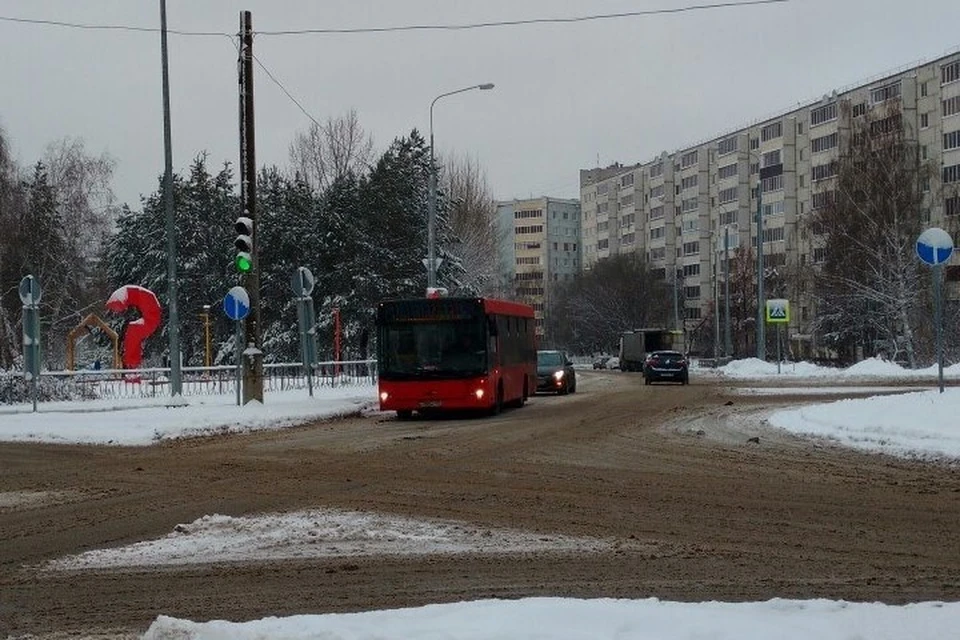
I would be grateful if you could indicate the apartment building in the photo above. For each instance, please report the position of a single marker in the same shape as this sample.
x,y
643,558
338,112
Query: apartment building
x,y
539,248
678,209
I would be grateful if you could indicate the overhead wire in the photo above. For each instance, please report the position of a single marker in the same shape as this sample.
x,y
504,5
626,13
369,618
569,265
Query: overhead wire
x,y
410,27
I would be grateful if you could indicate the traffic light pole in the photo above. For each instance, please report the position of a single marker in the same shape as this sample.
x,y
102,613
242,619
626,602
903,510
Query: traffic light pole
x,y
252,353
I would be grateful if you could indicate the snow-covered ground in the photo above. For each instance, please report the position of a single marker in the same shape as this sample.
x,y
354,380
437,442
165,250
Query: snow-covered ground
x,y
920,424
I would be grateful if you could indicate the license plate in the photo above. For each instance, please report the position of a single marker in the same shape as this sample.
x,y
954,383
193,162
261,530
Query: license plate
x,y
428,404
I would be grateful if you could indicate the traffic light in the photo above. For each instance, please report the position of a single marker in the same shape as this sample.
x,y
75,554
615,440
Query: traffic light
x,y
244,244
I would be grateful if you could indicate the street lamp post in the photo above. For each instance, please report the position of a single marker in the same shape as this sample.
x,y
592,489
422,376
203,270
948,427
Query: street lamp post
x,y
431,261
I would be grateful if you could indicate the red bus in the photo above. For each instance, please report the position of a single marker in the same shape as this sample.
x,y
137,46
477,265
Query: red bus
x,y
436,354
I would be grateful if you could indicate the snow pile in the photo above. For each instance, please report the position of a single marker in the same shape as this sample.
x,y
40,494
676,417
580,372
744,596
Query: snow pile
x,y
751,368
599,619
320,533
916,425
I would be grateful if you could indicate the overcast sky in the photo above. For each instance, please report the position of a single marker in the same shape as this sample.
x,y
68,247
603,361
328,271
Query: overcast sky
x,y
566,96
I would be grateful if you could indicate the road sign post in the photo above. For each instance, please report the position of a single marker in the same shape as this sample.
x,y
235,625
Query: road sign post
x,y
236,305
778,313
934,247
302,284
30,294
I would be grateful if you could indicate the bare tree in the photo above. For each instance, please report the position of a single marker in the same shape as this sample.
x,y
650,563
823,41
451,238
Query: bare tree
x,y
869,291
589,313
472,219
327,151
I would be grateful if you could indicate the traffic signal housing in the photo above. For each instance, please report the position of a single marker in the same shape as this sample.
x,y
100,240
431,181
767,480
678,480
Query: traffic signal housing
x,y
244,243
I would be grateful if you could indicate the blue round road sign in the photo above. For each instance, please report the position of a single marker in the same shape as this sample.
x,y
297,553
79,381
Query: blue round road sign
x,y
236,304
934,246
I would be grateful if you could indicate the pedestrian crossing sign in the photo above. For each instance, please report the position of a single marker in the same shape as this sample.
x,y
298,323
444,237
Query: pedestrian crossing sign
x,y
778,311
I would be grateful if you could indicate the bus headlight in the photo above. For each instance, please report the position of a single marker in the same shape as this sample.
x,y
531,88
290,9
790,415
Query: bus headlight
x,y
383,396
479,394
558,375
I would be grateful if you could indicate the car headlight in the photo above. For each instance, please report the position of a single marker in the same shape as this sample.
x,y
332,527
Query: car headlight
x,y
558,375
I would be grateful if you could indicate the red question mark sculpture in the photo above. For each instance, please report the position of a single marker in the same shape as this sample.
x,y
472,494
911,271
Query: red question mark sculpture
x,y
144,301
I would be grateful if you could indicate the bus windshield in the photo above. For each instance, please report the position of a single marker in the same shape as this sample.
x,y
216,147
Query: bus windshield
x,y
442,348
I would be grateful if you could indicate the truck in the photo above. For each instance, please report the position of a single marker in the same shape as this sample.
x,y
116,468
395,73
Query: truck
x,y
635,344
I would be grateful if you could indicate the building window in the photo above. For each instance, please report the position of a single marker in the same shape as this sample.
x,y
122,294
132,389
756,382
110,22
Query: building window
x,y
727,171
773,235
626,180
823,114
690,226
527,213
656,192
951,206
823,199
689,182
951,140
950,72
824,142
924,120
691,293
656,170
528,260
690,204
754,168
885,126
658,254
773,183
629,238
773,208
924,89
689,159
536,228
657,232
691,248
691,269
823,171
951,174
859,109
771,158
728,195
951,106
727,146
771,131
884,93
656,212
692,313
754,143
728,217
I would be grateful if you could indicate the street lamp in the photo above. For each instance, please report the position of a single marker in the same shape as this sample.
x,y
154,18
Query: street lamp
x,y
431,261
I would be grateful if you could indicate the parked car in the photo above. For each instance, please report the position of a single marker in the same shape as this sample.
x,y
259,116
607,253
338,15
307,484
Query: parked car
x,y
555,372
613,363
666,365
601,362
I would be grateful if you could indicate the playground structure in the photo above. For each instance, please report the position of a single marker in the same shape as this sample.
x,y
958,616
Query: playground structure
x,y
86,325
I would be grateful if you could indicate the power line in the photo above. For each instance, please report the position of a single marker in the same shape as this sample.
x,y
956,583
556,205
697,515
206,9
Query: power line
x,y
287,93
110,27
529,21
411,27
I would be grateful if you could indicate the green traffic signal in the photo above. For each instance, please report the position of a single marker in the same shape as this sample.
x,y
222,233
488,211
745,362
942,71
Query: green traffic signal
x,y
243,262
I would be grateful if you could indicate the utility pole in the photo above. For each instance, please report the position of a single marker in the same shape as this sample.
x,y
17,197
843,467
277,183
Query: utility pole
x,y
761,337
176,383
252,354
727,346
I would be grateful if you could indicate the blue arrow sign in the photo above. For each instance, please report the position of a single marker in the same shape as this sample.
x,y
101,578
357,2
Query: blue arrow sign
x,y
236,304
934,246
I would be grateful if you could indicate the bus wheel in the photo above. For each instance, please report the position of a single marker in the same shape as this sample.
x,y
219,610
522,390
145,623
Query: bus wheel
x,y
404,414
498,403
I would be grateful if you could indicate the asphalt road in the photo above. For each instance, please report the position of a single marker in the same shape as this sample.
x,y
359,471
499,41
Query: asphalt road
x,y
697,511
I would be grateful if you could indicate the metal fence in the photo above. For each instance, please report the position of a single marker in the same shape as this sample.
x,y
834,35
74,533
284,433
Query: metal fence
x,y
115,384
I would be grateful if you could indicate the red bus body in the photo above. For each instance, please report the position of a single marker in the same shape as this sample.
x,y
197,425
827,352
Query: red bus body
x,y
448,354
